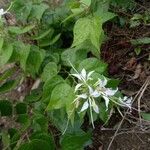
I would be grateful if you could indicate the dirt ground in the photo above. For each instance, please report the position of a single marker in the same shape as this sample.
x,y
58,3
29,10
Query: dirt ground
x,y
134,73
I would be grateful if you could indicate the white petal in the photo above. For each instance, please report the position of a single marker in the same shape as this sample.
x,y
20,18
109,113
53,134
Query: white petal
x,y
2,12
102,83
95,94
77,76
89,74
95,107
106,101
110,92
84,96
120,99
125,98
83,74
126,102
129,100
85,106
77,103
90,90
78,86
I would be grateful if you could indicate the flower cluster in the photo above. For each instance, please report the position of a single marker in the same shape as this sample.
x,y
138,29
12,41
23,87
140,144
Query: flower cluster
x,y
88,94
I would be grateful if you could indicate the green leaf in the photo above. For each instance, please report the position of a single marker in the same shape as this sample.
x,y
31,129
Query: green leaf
x,y
5,108
32,64
93,64
5,139
113,83
49,86
24,53
15,139
137,50
95,32
103,113
140,41
107,16
145,116
25,146
73,55
88,29
86,2
75,141
21,108
21,53
134,23
49,41
36,144
38,10
46,137
76,12
5,53
55,39
56,16
20,30
22,9
34,96
61,95
40,123
7,74
43,34
101,10
81,31
24,120
52,57
59,119
1,43
12,132
50,70
8,85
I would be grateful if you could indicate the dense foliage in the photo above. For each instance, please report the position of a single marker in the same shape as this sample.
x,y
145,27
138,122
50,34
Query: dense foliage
x,y
58,46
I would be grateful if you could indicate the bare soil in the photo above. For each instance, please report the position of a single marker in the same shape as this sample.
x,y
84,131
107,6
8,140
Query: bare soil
x,y
133,71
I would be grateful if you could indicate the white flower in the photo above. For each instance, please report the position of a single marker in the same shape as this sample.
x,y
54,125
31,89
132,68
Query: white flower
x,y
85,106
78,86
83,76
126,101
106,93
90,102
2,12
83,96
110,92
102,83
106,101
93,93
95,107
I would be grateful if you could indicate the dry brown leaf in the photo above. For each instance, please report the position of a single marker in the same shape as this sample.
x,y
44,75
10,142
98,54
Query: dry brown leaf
x,y
100,148
36,84
137,71
6,67
131,64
